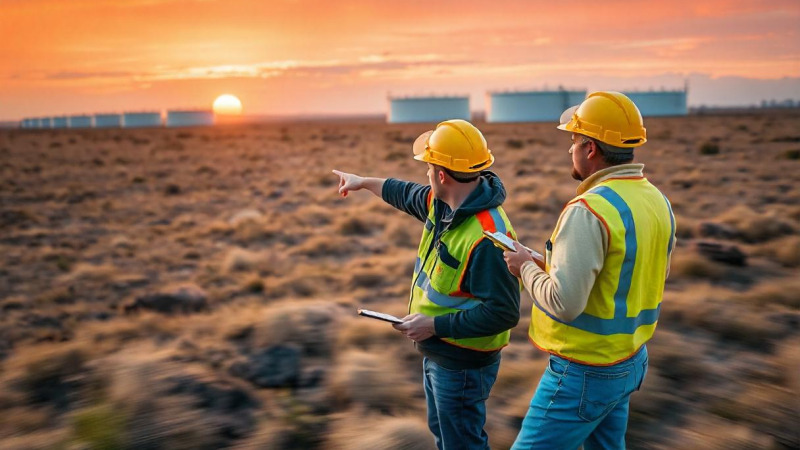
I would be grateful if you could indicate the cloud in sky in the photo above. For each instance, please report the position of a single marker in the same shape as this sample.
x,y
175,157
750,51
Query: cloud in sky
x,y
82,54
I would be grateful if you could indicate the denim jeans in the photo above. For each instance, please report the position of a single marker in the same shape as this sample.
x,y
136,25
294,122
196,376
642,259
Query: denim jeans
x,y
457,404
579,404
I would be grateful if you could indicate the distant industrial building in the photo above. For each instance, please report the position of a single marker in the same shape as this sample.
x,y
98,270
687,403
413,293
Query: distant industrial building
x,y
427,109
190,118
107,120
660,103
80,121
45,122
35,122
141,119
530,106
60,122
25,123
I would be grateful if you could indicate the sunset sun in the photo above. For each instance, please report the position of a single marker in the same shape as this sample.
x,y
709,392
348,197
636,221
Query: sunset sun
x,y
227,105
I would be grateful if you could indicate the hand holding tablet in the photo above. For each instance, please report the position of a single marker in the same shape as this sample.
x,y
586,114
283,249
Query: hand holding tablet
x,y
379,316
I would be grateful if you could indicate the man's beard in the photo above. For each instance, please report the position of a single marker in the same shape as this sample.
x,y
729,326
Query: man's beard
x,y
576,175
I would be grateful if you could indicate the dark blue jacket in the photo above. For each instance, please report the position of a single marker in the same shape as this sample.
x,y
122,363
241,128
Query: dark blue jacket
x,y
487,276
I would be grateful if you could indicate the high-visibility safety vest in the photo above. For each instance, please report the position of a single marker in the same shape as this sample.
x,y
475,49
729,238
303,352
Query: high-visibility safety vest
x,y
441,266
623,306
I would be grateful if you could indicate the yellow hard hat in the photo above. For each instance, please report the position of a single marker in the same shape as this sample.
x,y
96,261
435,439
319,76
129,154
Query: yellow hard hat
x,y
610,117
456,145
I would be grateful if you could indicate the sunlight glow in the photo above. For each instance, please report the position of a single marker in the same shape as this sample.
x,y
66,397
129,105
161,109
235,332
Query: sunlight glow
x,y
227,105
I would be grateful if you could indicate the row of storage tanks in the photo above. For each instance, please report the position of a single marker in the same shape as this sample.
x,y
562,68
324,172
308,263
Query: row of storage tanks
x,y
525,106
174,118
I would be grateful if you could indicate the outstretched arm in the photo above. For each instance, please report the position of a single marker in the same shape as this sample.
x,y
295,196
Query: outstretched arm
x,y
352,182
411,198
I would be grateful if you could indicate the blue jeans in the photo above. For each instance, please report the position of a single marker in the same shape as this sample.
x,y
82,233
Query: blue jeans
x,y
457,404
578,404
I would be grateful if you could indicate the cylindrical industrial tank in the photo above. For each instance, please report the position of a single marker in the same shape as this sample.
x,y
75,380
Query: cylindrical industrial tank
x,y
659,103
530,106
80,121
427,109
190,118
35,122
107,120
60,122
46,122
141,119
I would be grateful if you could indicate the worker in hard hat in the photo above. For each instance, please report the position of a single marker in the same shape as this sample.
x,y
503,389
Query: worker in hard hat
x,y
463,300
597,299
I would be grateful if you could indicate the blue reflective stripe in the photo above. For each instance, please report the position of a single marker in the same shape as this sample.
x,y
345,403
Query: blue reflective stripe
x,y
499,224
672,225
428,224
416,265
442,299
629,261
606,327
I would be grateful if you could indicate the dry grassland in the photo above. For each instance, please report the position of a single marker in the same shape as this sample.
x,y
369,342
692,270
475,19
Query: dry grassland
x,y
196,288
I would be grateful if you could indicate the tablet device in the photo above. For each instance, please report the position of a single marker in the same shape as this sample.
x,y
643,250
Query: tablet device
x,y
501,240
506,243
379,316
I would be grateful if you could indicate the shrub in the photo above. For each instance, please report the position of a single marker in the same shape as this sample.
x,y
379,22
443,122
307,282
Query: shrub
x,y
370,381
54,376
709,148
354,226
792,154
309,325
692,265
239,260
387,433
254,284
754,226
515,143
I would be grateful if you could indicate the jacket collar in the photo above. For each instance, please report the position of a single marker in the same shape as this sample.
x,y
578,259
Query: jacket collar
x,y
620,171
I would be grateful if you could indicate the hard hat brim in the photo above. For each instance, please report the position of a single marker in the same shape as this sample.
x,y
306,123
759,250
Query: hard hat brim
x,y
420,144
566,117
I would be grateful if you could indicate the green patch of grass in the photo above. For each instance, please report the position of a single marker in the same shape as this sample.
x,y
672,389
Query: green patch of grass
x,y
99,427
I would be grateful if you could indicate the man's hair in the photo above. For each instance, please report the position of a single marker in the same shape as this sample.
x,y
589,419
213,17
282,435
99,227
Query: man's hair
x,y
614,158
461,177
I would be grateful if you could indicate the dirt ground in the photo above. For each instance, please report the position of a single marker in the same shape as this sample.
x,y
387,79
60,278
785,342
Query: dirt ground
x,y
196,288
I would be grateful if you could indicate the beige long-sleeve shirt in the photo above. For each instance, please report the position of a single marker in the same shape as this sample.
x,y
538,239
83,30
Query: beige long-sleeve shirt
x,y
579,256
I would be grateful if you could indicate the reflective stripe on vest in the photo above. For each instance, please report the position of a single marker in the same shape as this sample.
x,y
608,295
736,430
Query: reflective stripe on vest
x,y
631,281
446,301
438,274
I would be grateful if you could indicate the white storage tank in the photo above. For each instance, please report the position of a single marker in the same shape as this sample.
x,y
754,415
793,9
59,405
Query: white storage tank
x,y
428,109
190,118
530,106
141,119
80,121
660,103
107,120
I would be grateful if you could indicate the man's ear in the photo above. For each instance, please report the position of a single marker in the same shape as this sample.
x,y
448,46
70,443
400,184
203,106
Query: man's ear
x,y
440,174
594,150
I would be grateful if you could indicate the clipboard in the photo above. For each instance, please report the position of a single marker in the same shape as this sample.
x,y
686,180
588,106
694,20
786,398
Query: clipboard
x,y
379,316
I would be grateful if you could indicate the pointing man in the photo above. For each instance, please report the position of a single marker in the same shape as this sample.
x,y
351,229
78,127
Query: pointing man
x,y
463,299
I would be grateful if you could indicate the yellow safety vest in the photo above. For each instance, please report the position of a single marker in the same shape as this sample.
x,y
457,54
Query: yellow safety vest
x,y
439,270
623,306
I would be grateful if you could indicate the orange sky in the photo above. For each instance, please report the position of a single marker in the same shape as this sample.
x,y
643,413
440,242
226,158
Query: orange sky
x,y
305,56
